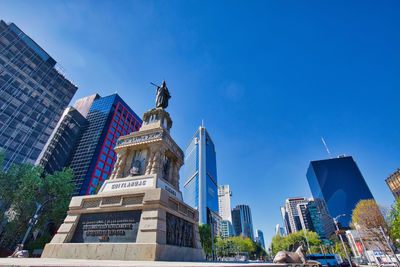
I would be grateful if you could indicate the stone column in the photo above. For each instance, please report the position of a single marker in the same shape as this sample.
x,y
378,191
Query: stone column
x,y
120,168
149,161
117,166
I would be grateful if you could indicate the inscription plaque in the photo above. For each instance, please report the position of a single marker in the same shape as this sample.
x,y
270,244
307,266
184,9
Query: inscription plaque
x,y
179,231
113,227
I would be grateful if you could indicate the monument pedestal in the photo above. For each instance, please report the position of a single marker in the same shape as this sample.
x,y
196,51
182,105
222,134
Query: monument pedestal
x,y
138,213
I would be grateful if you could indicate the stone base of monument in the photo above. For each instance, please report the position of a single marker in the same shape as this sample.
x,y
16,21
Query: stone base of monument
x,y
136,218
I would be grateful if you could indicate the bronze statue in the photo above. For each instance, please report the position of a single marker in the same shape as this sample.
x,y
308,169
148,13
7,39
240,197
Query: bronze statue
x,y
162,95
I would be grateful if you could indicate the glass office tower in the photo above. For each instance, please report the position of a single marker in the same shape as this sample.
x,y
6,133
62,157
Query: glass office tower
x,y
33,95
242,221
340,184
200,175
94,157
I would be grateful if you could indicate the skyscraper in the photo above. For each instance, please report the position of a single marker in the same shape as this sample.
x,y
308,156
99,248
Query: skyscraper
x,y
33,95
293,215
225,212
93,157
260,238
340,184
224,202
285,219
279,230
393,182
242,221
61,142
305,218
200,175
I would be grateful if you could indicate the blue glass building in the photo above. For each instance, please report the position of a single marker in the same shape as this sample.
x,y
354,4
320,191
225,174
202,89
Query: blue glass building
x,y
242,221
200,189
340,184
94,157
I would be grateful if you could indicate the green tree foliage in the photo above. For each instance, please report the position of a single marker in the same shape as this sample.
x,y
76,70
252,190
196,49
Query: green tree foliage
x,y
205,238
231,246
394,220
20,187
338,247
287,242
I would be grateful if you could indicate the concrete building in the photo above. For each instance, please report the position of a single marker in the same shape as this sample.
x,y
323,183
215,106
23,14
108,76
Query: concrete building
x,y
33,95
293,214
393,182
200,175
260,238
242,221
224,202
225,212
93,156
340,184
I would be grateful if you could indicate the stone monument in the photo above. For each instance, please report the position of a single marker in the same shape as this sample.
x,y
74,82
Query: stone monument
x,y
139,213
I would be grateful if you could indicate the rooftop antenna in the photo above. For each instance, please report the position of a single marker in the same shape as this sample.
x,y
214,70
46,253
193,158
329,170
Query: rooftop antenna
x,y
326,147
202,123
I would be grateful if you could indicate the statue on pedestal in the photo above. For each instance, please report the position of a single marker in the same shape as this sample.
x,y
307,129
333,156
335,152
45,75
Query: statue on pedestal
x,y
163,96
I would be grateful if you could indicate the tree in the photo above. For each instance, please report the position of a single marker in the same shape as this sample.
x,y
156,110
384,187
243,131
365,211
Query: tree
x,y
287,242
205,238
394,220
368,220
233,245
20,187
368,215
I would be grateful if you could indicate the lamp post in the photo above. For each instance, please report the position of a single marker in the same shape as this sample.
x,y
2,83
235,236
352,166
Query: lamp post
x,y
33,221
340,236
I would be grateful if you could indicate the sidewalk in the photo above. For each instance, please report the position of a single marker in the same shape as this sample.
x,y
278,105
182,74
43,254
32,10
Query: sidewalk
x,y
100,263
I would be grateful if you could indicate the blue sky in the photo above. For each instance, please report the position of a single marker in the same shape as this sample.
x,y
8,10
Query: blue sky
x,y
269,78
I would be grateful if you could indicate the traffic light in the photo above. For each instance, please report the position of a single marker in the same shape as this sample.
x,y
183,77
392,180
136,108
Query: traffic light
x,y
340,232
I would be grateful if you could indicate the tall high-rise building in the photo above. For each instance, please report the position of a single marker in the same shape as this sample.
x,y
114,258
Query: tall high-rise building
x,y
93,156
61,142
393,182
285,219
225,212
260,238
279,230
242,221
224,202
200,175
33,95
305,218
293,215
340,184
59,146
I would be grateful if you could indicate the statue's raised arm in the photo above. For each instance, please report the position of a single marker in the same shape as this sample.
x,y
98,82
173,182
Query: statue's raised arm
x,y
162,96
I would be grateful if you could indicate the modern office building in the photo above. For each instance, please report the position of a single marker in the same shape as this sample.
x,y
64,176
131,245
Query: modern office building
x,y
285,219
200,188
292,212
93,156
260,238
242,221
227,229
340,184
304,216
279,230
33,95
393,182
61,142
224,202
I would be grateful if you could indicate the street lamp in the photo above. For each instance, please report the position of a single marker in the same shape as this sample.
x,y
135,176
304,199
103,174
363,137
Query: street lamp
x,y
33,221
340,236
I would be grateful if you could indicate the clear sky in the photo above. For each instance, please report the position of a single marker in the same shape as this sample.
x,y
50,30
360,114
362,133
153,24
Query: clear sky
x,y
269,78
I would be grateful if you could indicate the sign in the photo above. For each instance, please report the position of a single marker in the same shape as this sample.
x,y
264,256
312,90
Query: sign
x,y
139,139
128,184
113,227
359,246
161,184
